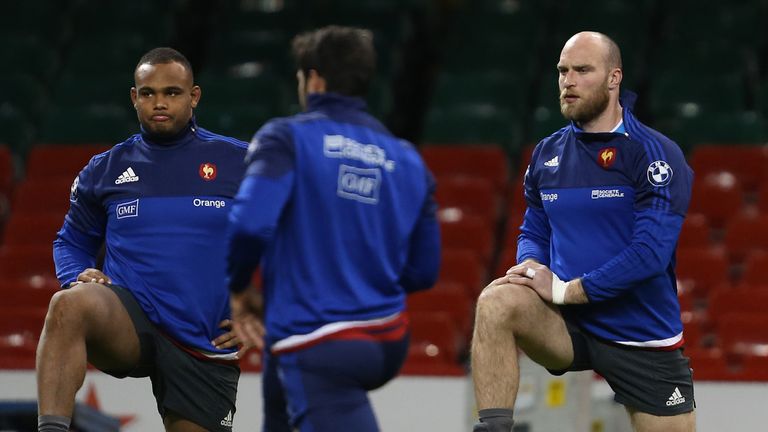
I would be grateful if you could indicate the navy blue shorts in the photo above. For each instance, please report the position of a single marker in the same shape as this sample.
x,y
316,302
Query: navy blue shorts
x,y
324,388
200,391
650,381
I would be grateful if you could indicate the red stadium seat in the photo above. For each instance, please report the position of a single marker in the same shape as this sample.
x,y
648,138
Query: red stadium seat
x,y
695,233
60,160
718,196
450,297
29,266
436,334
461,196
762,198
470,232
746,162
474,161
46,195
32,229
743,333
724,302
525,160
744,234
708,364
700,270
23,295
507,259
755,367
19,333
755,270
462,266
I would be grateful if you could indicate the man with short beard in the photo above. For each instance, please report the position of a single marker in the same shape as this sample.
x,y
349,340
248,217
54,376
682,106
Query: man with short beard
x,y
595,284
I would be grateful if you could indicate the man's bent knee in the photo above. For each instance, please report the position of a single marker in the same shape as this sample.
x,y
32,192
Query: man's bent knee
x,y
81,307
506,302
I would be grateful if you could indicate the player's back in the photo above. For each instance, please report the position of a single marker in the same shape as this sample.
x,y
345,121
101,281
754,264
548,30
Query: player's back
x,y
358,194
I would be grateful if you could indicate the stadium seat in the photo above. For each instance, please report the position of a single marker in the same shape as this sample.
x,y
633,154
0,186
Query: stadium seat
x,y
45,195
693,335
462,266
755,272
474,161
481,87
470,232
19,332
458,197
30,266
450,297
512,228
674,94
745,233
743,334
723,302
468,124
20,294
106,124
754,367
32,229
701,269
507,259
718,196
46,161
696,232
762,198
746,162
434,338
708,364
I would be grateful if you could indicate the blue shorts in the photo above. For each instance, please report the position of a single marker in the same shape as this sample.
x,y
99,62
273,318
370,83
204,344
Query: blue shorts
x,y
324,387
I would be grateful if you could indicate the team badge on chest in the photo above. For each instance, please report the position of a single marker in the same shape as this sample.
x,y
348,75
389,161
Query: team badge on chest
x,y
606,157
207,171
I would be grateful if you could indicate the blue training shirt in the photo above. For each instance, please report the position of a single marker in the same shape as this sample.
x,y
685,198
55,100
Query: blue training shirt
x,y
162,210
608,208
342,213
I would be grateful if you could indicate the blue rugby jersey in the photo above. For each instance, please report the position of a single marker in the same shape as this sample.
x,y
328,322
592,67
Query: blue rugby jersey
x,y
161,209
342,213
608,207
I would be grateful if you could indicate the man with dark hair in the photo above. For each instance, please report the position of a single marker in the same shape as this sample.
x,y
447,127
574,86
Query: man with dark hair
x,y
159,307
595,284
341,215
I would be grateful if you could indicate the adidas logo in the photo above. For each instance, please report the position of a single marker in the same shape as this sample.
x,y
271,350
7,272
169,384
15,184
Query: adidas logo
x,y
127,176
555,161
227,420
676,398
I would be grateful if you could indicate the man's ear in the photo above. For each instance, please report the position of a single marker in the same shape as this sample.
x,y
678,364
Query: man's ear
x,y
614,78
134,95
197,93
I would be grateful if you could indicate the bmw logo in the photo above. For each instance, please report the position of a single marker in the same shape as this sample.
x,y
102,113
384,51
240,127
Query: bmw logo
x,y
659,173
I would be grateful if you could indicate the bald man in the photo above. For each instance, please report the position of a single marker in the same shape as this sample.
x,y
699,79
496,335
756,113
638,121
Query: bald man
x,y
594,287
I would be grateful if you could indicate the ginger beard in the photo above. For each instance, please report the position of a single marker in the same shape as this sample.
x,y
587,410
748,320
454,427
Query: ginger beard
x,y
587,107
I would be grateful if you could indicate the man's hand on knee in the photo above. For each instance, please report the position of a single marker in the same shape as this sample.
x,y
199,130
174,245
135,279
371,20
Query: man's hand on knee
x,y
547,284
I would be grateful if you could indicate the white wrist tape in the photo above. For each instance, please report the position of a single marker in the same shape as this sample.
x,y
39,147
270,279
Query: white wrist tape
x,y
530,273
558,290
